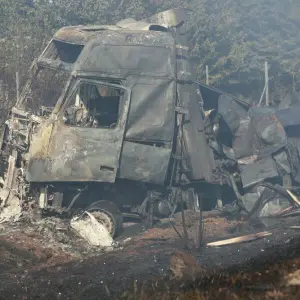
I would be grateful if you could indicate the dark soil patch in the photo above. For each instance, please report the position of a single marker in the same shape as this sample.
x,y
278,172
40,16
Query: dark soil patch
x,y
143,265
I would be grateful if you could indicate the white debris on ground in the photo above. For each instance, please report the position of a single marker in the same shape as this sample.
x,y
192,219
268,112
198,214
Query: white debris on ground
x,y
12,211
293,279
92,231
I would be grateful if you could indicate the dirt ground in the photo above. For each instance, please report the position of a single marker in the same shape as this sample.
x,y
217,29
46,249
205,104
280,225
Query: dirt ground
x,y
46,260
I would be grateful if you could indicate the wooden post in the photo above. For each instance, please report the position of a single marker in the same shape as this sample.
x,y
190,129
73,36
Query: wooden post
x,y
267,83
17,85
207,78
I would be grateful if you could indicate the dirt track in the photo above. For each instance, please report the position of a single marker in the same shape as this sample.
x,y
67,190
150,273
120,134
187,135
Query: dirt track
x,y
31,270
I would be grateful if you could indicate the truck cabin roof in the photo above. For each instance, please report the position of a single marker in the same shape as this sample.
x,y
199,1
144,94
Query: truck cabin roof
x,y
68,42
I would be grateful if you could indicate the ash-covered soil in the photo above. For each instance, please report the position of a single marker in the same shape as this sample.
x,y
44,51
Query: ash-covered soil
x,y
46,260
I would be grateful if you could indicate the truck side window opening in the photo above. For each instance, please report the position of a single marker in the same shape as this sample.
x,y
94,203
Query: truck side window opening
x,y
95,106
45,89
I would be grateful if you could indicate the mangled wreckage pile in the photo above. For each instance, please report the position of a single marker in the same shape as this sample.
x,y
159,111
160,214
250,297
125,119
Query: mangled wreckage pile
x,y
112,124
258,149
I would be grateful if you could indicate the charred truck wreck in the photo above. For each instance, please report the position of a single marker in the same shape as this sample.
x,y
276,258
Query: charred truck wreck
x,y
112,122
120,134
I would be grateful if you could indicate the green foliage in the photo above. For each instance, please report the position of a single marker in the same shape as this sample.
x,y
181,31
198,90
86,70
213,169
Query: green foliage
x,y
232,37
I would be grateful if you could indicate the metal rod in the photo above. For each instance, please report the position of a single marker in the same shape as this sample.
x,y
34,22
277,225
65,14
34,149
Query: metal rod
x,y
185,233
207,76
223,93
294,74
76,197
267,83
199,237
17,86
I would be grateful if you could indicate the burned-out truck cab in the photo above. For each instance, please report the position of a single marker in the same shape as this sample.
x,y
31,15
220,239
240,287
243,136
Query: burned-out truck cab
x,y
124,133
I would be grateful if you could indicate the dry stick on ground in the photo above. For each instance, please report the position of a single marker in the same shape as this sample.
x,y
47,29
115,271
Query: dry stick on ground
x,y
294,227
240,239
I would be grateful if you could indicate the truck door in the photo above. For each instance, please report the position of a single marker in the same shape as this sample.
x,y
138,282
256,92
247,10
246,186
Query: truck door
x,y
87,135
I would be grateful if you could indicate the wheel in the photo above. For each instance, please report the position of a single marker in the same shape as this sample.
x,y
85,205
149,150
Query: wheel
x,y
108,214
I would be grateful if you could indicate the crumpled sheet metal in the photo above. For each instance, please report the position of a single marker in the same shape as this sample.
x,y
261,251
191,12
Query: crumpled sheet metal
x,y
258,171
267,200
60,153
242,139
169,18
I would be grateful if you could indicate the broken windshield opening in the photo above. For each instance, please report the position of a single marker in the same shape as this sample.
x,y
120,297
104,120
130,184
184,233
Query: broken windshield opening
x,y
94,105
44,91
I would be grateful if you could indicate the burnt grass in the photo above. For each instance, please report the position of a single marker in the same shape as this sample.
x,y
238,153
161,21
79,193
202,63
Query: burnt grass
x,y
254,270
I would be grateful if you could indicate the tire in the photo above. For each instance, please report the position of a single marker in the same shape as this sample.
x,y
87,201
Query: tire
x,y
112,211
